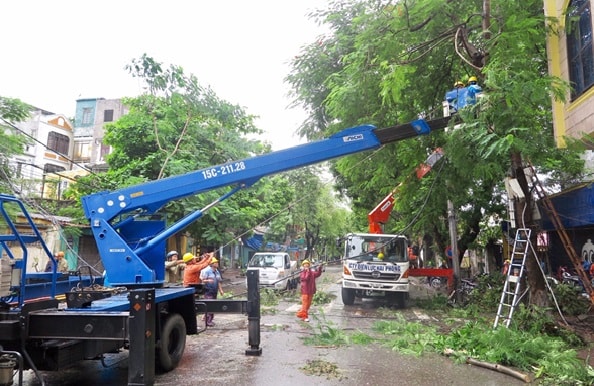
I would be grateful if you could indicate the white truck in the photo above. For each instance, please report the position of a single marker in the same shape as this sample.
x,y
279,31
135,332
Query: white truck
x,y
275,269
375,265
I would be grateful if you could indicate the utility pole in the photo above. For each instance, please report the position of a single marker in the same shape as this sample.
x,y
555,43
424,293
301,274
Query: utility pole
x,y
454,242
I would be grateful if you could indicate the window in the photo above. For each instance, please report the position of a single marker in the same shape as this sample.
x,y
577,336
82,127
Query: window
x,y
108,116
82,151
580,54
104,152
49,168
58,142
87,116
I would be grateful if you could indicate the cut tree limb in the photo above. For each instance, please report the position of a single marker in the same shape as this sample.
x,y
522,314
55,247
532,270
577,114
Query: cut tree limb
x,y
494,366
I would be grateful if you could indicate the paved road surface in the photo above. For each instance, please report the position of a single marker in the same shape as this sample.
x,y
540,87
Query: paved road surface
x,y
217,356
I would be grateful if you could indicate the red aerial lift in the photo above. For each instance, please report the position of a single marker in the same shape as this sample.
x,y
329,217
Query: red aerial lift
x,y
381,213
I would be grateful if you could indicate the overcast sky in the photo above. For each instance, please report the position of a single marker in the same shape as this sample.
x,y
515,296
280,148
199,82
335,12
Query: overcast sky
x,y
55,52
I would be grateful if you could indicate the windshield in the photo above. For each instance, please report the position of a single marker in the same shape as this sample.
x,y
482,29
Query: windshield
x,y
266,261
377,248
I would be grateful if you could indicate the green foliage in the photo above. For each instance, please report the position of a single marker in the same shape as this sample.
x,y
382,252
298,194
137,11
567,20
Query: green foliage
x,y
326,334
554,360
321,298
437,302
12,142
406,337
362,338
269,297
570,299
533,343
487,293
386,64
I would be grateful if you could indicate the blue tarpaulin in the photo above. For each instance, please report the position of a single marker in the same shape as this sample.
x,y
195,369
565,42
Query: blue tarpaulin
x,y
254,242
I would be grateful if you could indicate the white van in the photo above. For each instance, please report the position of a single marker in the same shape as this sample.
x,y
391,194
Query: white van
x,y
276,270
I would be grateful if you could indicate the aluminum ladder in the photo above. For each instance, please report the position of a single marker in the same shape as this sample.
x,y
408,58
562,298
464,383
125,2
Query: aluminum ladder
x,y
512,285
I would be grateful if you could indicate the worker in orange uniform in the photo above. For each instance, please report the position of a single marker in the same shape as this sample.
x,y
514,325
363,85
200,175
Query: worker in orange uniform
x,y
194,265
413,256
308,288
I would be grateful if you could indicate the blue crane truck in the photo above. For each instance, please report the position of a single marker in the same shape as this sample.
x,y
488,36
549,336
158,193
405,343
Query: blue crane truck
x,y
138,311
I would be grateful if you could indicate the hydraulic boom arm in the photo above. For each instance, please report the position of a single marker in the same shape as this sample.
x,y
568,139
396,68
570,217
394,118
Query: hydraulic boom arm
x,y
132,249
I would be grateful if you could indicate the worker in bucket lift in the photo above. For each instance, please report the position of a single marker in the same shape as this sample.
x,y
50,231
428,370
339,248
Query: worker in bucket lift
x,y
456,98
473,90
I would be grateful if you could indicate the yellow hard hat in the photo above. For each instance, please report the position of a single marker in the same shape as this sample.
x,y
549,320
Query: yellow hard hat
x,y
213,260
60,254
458,84
472,79
380,256
187,257
305,262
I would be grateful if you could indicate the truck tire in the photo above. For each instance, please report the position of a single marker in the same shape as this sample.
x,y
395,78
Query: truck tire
x,y
348,296
401,298
172,343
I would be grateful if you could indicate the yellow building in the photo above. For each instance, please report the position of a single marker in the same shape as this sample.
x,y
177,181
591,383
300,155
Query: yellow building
x,y
571,58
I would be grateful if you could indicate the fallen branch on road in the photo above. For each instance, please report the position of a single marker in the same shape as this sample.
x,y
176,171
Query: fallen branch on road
x,y
494,366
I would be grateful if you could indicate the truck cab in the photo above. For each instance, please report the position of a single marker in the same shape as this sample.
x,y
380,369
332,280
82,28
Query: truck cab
x,y
275,269
375,265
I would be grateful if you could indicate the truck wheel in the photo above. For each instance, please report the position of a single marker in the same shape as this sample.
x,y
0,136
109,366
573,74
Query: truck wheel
x,y
348,296
401,298
172,343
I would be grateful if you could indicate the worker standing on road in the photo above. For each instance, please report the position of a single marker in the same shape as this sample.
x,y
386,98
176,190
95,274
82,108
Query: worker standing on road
x,y
211,277
413,256
62,264
194,266
308,288
174,268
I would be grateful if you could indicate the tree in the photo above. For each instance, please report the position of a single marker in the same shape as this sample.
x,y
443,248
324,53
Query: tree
x,y
12,143
393,62
176,127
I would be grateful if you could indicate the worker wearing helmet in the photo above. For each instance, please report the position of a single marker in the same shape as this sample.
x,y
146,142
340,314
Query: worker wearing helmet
x,y
61,263
308,288
194,266
473,90
211,277
174,268
456,98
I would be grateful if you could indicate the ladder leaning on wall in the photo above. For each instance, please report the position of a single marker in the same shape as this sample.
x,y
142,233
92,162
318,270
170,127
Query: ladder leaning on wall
x,y
510,296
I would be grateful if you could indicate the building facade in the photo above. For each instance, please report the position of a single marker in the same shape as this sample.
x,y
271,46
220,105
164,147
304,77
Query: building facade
x,y
571,58
89,129
50,140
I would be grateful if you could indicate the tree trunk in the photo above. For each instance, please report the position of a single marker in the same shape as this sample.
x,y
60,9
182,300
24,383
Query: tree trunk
x,y
524,219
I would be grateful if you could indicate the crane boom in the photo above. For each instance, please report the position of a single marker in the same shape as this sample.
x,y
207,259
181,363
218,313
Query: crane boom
x,y
131,249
